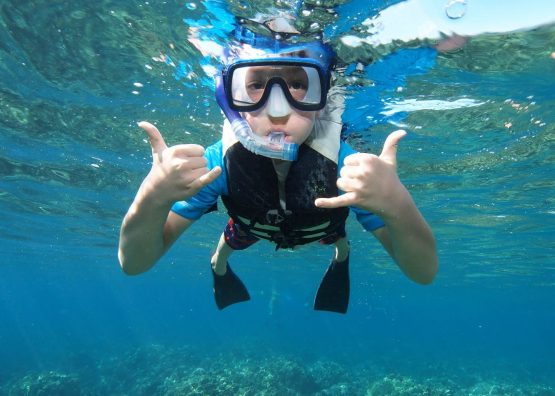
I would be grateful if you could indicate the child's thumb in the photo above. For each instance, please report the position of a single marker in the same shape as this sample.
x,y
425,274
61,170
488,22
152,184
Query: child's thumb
x,y
154,136
389,151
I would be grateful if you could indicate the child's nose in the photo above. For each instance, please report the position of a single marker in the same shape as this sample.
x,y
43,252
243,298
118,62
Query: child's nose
x,y
277,104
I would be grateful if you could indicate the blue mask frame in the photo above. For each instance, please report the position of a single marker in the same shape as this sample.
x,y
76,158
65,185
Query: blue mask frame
x,y
323,73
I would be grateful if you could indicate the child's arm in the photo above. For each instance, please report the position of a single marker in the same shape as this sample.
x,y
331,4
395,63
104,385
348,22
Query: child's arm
x,y
149,227
371,183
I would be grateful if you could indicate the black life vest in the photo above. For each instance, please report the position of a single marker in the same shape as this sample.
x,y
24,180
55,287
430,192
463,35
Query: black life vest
x,y
253,200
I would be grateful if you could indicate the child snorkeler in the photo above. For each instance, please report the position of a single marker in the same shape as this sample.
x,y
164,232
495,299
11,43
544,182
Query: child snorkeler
x,y
283,174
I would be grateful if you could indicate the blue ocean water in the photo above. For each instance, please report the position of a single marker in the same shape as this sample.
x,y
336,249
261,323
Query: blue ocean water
x,y
75,77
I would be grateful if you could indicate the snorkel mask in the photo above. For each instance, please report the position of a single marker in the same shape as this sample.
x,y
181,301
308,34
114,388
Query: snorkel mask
x,y
273,75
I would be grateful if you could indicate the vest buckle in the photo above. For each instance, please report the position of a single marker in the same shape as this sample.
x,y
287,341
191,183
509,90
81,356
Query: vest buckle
x,y
276,216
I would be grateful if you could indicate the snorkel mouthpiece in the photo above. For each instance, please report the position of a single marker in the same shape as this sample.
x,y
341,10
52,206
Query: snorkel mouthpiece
x,y
272,146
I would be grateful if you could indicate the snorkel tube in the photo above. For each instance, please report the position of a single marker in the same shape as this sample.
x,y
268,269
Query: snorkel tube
x,y
272,146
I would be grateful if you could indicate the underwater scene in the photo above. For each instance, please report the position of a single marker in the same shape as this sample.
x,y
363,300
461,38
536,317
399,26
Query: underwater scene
x,y
471,82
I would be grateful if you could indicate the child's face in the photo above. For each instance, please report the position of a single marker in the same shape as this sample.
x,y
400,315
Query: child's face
x,y
277,115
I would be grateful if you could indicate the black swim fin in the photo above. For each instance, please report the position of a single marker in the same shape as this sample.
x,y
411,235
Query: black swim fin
x,y
333,292
228,289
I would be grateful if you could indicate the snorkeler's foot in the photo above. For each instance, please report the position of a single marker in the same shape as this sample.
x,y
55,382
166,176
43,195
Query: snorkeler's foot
x,y
228,289
334,290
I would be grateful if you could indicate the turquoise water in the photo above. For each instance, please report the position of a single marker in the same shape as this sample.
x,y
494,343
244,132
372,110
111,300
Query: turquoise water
x,y
75,77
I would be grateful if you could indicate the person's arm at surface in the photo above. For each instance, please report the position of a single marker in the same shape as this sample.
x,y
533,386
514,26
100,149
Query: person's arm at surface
x,y
371,183
149,228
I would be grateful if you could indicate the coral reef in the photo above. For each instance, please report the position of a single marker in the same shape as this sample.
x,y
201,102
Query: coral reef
x,y
47,383
157,370
394,385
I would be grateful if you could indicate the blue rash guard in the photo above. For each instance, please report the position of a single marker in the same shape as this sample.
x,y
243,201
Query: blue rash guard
x,y
206,198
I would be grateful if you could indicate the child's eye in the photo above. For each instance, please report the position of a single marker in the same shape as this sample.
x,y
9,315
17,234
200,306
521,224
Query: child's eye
x,y
255,85
297,85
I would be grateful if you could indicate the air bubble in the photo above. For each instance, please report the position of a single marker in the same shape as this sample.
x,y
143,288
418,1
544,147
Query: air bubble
x,y
455,9
191,6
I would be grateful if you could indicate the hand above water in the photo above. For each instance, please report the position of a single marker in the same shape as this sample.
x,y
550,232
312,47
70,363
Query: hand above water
x,y
370,182
178,172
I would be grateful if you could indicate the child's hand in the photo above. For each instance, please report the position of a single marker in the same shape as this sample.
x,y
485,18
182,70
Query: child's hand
x,y
370,182
178,172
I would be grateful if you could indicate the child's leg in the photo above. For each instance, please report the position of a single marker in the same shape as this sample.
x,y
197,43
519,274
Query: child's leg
x,y
232,239
220,256
228,288
339,239
341,249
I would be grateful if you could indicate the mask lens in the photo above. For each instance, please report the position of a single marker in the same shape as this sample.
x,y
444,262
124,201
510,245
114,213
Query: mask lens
x,y
251,84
